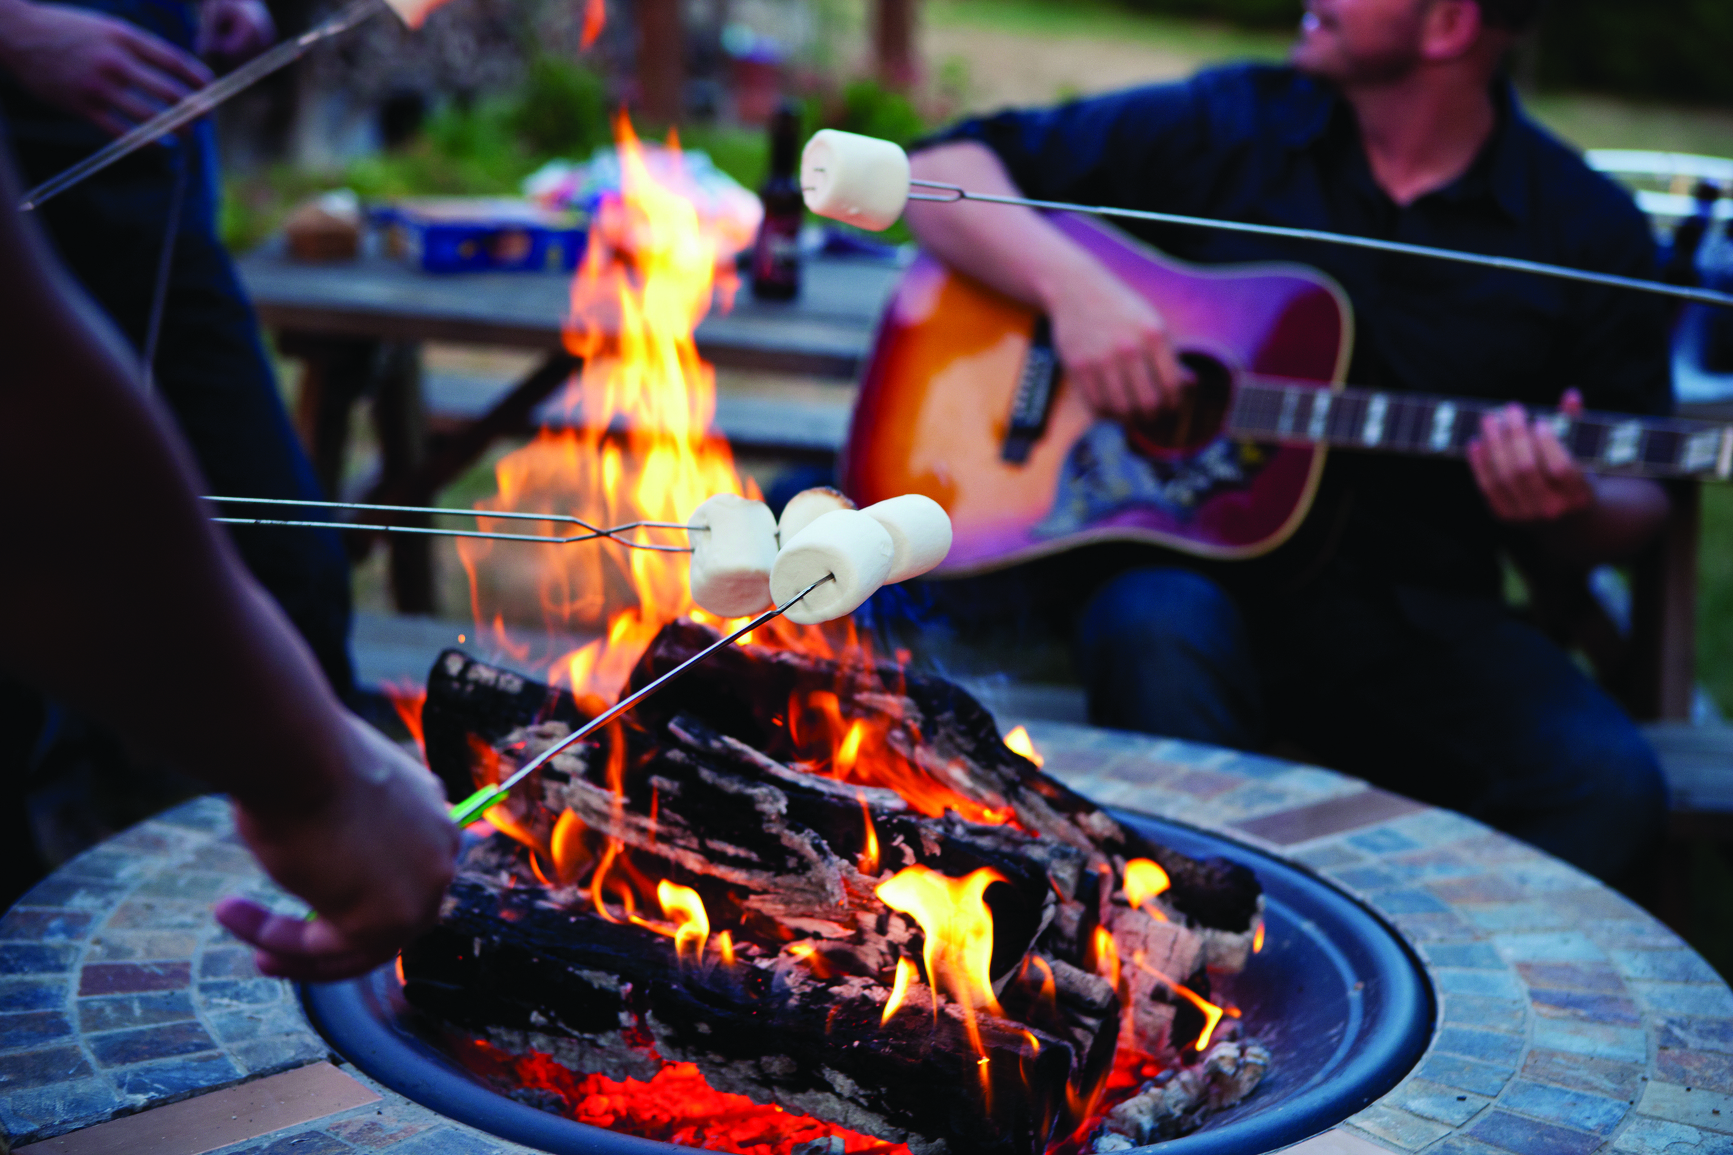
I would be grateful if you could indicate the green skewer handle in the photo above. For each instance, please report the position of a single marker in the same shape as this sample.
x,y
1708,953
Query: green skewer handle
x,y
471,808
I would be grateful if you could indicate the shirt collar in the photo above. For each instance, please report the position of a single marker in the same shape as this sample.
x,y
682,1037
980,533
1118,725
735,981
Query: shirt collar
x,y
1498,173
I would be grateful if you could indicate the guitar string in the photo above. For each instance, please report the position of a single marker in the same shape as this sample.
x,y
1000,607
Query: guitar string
x,y
1402,248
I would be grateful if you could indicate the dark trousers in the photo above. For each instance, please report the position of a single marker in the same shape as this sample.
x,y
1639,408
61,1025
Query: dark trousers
x,y
1448,699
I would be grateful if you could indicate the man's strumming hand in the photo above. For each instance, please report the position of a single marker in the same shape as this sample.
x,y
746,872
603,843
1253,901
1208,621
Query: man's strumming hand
x,y
373,859
95,66
1523,469
1112,342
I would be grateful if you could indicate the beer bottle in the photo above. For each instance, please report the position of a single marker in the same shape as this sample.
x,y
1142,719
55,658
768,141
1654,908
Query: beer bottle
x,y
776,256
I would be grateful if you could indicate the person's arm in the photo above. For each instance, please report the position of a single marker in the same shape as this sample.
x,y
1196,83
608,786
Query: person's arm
x,y
1116,149
125,601
93,65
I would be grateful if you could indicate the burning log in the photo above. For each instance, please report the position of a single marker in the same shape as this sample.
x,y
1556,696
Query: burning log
x,y
862,892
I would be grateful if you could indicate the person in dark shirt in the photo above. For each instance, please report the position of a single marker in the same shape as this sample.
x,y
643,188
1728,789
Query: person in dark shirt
x,y
1377,637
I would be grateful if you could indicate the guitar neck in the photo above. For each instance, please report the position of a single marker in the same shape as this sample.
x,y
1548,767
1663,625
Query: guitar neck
x,y
1271,410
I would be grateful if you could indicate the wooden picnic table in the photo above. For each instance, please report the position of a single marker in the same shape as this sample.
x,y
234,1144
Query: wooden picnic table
x,y
358,327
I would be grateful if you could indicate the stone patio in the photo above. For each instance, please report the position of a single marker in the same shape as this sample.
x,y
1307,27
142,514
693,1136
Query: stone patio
x,y
1569,1020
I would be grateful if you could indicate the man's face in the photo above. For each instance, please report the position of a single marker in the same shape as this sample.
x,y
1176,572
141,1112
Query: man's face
x,y
1361,41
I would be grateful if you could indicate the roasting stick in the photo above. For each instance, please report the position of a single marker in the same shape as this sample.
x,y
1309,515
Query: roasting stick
x,y
591,532
196,104
472,807
865,181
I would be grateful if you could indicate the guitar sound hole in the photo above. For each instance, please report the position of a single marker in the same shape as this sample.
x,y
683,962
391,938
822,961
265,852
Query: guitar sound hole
x,y
1196,421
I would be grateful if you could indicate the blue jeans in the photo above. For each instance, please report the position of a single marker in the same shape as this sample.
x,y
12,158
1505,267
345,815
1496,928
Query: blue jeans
x,y
1444,698
211,367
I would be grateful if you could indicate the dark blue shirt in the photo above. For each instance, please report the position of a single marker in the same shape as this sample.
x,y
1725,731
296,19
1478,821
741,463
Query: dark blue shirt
x,y
1269,145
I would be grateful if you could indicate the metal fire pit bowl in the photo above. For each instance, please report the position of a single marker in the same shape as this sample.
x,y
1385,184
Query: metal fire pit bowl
x,y
1344,1008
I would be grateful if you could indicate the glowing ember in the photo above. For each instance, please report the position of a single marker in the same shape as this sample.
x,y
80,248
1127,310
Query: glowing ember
x,y
1143,881
676,1105
1258,937
1019,742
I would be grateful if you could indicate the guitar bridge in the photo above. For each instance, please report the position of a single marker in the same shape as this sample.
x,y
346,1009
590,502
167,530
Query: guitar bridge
x,y
1032,403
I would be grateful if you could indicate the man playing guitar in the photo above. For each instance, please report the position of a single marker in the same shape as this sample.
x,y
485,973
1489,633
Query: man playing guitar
x,y
1376,637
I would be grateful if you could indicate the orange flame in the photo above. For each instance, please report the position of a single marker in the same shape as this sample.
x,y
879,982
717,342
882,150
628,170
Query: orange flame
x,y
568,849
1106,956
848,751
1212,1014
906,974
869,857
1019,742
809,954
408,699
691,921
595,19
1143,881
958,926
637,446
725,947
1258,937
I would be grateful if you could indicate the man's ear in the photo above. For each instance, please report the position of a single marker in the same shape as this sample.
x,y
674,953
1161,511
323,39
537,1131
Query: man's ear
x,y
1453,28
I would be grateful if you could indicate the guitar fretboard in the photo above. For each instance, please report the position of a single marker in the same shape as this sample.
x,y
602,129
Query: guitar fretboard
x,y
1443,426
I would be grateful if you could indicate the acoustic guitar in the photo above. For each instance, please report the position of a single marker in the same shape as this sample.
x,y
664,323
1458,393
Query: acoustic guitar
x,y
964,400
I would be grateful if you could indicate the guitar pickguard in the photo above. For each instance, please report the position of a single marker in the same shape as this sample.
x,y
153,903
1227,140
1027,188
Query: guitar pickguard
x,y
1104,477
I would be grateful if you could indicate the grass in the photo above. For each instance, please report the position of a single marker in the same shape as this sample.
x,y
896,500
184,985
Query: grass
x,y
1206,41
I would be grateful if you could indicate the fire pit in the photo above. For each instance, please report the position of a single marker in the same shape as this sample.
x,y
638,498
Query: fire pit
x,y
1341,1004
811,828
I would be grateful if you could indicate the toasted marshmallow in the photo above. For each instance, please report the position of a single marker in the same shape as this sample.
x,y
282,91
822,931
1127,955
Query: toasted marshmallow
x,y
808,506
920,532
733,549
859,180
846,544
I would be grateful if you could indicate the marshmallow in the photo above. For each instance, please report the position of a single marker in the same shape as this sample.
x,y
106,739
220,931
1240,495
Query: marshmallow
x,y
733,549
920,532
859,180
845,543
413,12
808,506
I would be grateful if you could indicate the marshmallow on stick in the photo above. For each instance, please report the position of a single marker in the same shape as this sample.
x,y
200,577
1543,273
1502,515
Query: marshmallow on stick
x,y
920,532
808,506
733,549
845,544
859,180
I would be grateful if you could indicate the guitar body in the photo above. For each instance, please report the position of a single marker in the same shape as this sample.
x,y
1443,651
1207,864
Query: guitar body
x,y
948,369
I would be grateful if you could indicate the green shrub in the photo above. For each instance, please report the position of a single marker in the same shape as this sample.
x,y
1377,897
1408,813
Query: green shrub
x,y
1658,48
561,110
1252,13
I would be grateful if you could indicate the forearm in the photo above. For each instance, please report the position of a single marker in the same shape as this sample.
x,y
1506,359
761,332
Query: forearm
x,y
1013,249
125,601
1626,515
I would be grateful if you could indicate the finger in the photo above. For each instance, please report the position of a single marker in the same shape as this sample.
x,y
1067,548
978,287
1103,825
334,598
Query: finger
x,y
166,57
1571,404
108,121
1487,478
1569,486
279,934
136,76
1088,383
1172,376
1499,458
125,102
1144,392
1118,389
1524,474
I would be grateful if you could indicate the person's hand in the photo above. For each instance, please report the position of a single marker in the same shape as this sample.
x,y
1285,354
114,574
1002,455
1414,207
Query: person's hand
x,y
1113,344
373,861
1524,471
235,30
98,67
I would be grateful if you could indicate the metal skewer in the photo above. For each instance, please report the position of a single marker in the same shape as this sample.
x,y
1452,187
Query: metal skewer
x,y
956,193
472,807
196,104
590,532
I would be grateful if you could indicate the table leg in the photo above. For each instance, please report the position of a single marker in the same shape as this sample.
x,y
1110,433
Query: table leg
x,y
336,372
400,419
1664,614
